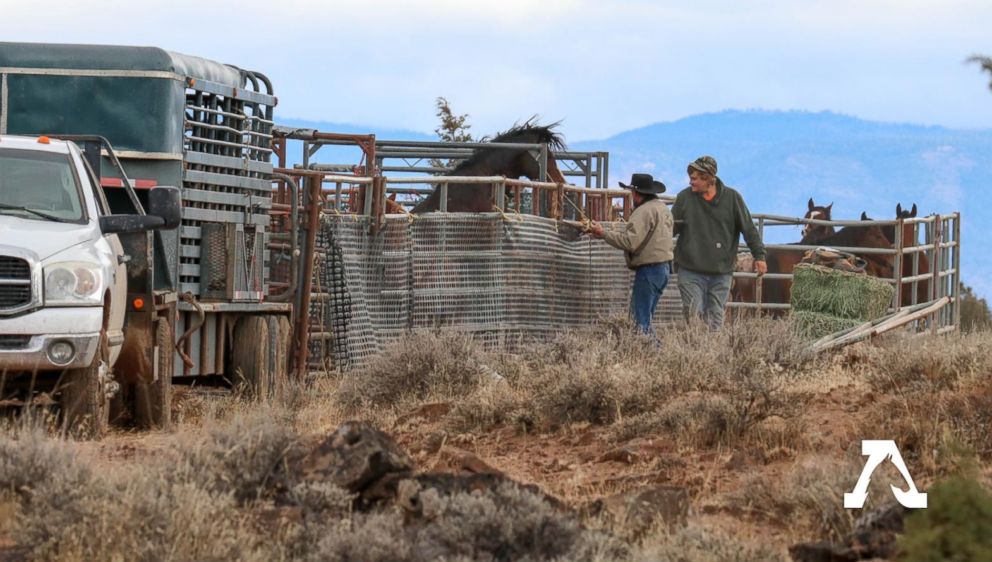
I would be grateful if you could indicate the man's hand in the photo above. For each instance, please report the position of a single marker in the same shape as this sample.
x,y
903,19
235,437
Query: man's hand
x,y
596,229
760,267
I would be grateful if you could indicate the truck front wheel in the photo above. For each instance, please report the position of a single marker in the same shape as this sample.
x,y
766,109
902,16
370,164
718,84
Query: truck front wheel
x,y
84,400
153,401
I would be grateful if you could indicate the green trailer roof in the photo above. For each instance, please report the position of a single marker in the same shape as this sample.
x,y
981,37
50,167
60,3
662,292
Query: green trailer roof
x,y
136,97
109,57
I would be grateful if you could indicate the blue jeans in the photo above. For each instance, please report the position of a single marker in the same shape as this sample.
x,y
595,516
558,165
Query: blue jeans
x,y
704,296
649,282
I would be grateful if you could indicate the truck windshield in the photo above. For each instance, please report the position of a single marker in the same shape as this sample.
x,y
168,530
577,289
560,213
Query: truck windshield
x,y
36,184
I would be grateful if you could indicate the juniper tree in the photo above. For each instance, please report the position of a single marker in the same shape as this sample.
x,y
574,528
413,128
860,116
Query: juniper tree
x,y
453,128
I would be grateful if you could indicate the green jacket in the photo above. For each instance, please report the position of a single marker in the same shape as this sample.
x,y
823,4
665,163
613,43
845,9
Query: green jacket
x,y
709,231
648,236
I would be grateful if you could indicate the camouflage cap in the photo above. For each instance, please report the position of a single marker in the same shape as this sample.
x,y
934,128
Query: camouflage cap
x,y
704,164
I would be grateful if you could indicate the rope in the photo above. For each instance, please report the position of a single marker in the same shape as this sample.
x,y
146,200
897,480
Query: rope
x,y
188,298
507,217
586,221
410,217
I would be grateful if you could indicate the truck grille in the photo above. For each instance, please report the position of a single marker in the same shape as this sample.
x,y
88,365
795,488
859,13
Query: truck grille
x,y
14,342
15,282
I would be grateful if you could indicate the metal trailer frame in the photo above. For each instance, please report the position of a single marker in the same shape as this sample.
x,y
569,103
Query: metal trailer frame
x,y
173,119
941,244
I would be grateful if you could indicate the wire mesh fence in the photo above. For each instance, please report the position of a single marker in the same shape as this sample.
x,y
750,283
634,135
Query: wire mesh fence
x,y
506,279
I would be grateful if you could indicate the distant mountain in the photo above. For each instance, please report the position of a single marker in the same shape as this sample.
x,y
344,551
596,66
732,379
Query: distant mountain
x,y
778,160
351,129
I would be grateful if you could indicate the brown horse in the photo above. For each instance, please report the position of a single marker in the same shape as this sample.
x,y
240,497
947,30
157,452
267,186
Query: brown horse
x,y
878,265
510,162
909,240
813,232
744,289
785,260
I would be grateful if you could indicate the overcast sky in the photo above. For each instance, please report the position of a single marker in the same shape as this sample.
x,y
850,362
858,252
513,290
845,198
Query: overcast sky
x,y
603,67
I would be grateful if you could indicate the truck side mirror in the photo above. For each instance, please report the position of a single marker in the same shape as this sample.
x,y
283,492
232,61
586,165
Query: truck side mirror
x,y
164,212
165,202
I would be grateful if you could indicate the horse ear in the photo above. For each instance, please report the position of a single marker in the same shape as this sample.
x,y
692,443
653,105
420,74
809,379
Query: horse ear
x,y
830,206
898,210
864,216
912,214
810,204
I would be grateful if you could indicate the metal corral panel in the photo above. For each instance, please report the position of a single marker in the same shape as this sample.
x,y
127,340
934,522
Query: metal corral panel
x,y
504,280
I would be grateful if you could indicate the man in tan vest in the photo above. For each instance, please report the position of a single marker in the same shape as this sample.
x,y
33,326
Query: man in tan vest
x,y
647,245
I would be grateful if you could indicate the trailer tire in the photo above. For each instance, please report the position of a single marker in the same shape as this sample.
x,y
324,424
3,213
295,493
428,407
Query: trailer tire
x,y
153,401
280,330
84,402
250,361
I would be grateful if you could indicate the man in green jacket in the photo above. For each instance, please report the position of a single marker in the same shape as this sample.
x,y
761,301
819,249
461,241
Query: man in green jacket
x,y
647,245
710,218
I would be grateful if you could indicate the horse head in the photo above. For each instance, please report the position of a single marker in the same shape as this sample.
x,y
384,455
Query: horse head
x,y
814,232
517,163
909,233
901,214
511,162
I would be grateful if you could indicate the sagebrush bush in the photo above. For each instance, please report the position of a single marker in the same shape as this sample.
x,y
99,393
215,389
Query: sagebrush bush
x,y
443,364
701,544
926,363
697,420
69,512
609,373
247,457
503,523
930,420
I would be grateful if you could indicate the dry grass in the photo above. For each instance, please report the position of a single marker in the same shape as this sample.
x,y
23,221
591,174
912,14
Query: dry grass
x,y
708,389
698,543
227,484
928,364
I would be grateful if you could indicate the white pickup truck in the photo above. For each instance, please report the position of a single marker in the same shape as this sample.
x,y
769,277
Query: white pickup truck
x,y
63,282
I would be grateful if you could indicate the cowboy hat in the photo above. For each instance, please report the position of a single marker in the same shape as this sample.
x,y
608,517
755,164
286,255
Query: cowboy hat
x,y
645,184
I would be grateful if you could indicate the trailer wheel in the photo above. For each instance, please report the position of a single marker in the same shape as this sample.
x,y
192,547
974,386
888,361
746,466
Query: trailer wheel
x,y
153,401
250,361
85,406
280,332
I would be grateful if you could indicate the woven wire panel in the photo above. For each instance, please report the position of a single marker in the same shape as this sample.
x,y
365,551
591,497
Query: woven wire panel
x,y
503,279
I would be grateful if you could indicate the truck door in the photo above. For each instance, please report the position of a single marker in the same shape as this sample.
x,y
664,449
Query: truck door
x,y
118,285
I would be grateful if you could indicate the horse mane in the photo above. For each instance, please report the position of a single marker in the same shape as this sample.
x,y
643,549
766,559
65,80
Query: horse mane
x,y
528,132
543,133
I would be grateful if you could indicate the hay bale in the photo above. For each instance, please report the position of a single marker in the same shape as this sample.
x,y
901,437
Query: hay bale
x,y
839,293
814,325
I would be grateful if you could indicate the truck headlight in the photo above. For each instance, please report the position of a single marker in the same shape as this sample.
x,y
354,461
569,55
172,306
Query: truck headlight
x,y
73,284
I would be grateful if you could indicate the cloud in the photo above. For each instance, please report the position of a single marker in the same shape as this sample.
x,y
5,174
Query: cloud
x,y
603,66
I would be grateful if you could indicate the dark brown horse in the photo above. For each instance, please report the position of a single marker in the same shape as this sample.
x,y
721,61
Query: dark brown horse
x,y
496,161
813,232
909,240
